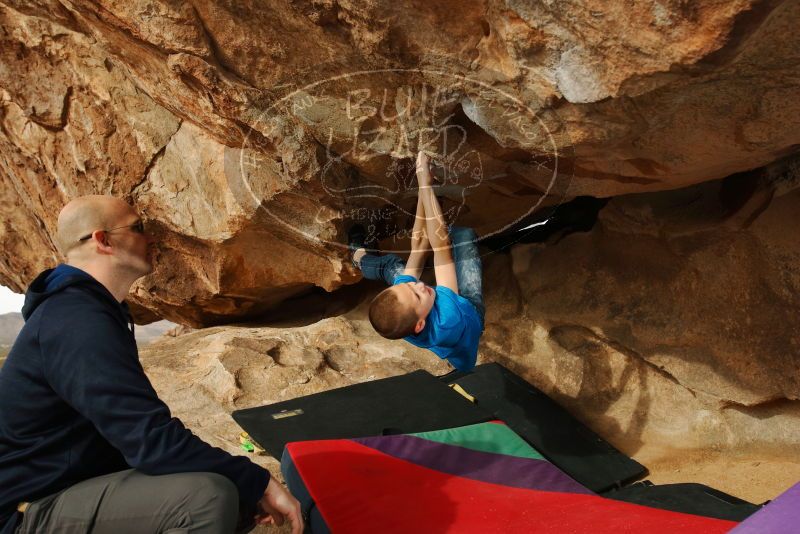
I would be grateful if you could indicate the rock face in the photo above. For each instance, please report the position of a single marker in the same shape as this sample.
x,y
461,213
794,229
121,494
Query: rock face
x,y
668,329
671,313
206,374
249,137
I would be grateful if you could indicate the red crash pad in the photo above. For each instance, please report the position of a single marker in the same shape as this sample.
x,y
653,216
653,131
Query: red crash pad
x,y
360,489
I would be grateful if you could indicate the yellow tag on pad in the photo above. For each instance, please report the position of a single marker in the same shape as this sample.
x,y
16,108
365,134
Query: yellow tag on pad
x,y
463,392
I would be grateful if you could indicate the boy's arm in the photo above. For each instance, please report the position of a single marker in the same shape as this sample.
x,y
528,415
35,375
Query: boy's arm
x,y
420,246
439,237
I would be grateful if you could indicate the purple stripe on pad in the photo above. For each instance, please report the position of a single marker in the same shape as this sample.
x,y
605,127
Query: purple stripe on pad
x,y
477,465
780,516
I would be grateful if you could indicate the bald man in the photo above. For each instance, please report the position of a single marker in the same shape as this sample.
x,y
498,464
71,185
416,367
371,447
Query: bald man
x,y
85,443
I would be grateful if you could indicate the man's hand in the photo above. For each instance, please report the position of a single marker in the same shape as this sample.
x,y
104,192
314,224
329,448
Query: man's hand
x,y
277,505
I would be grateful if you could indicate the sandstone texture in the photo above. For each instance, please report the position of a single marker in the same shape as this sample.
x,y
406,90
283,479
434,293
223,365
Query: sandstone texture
x,y
204,375
645,328
669,314
251,135
669,328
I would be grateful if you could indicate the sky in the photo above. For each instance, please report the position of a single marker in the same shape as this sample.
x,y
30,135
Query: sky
x,y
10,301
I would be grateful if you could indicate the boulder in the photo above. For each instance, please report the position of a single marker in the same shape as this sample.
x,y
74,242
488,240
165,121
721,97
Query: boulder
x,y
251,137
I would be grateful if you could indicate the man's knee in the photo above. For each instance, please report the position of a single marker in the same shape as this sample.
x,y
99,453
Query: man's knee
x,y
215,496
214,485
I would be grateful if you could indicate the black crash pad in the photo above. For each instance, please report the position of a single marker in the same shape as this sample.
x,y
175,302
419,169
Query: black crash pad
x,y
416,402
695,499
552,431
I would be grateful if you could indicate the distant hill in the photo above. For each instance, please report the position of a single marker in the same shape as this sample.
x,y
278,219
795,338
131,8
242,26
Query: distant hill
x,y
150,332
11,324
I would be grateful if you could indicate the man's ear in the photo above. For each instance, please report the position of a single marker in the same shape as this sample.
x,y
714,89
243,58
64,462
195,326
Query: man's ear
x,y
101,242
419,326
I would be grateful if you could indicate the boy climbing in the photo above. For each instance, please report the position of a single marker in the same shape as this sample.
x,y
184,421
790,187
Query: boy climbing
x,y
447,318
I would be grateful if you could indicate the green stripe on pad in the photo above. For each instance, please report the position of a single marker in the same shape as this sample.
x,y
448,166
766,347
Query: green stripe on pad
x,y
495,438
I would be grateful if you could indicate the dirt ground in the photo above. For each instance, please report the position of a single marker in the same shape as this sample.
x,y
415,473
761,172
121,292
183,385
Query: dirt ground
x,y
754,478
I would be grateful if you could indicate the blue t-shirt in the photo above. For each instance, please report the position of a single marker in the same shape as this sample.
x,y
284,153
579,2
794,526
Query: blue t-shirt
x,y
452,328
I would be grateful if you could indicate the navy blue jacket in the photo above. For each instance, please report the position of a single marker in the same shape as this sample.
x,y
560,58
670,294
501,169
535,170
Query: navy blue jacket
x,y
76,404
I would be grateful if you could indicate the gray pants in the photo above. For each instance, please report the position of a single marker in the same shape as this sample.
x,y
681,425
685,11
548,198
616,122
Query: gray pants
x,y
131,502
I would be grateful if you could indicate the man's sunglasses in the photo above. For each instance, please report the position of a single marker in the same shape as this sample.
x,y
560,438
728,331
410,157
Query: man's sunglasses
x,y
137,227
